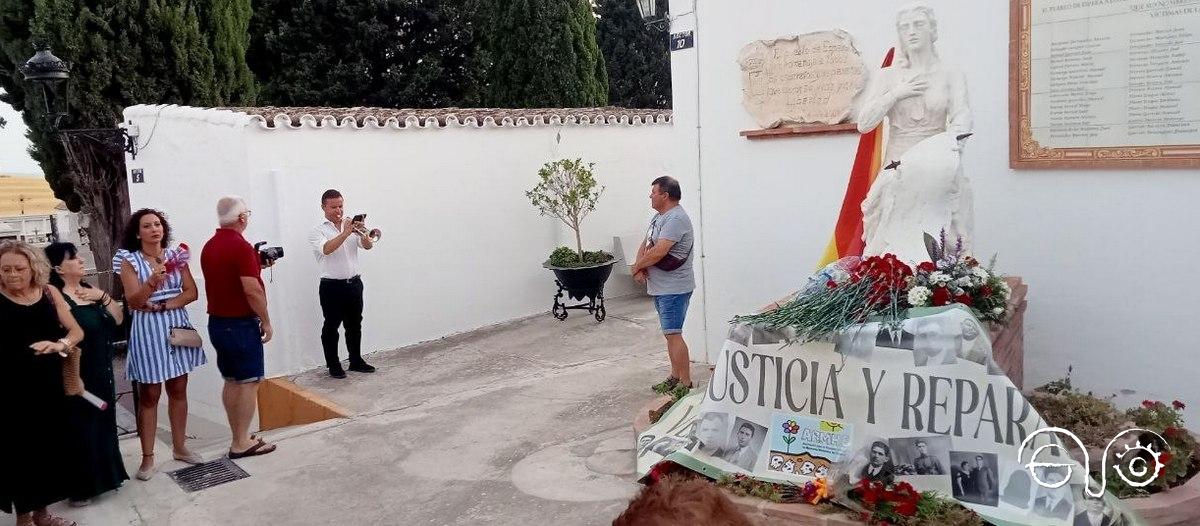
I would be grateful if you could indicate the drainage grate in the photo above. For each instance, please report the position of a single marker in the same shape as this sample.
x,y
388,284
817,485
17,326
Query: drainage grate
x,y
208,474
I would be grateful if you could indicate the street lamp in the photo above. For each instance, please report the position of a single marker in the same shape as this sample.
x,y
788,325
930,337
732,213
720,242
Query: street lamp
x,y
650,14
95,157
51,75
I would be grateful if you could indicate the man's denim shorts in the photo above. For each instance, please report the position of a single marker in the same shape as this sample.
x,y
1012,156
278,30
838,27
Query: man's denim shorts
x,y
672,309
238,342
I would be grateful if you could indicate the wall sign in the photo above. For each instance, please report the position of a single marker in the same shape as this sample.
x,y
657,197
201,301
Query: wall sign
x,y
1104,84
682,40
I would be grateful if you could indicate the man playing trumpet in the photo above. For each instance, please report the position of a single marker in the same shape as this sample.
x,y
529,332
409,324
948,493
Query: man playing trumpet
x,y
335,243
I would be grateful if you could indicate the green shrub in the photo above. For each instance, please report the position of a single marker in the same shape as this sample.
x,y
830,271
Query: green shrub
x,y
568,258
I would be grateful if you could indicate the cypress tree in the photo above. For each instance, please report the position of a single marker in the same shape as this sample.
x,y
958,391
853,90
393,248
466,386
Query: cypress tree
x,y
226,23
543,53
391,53
123,52
638,59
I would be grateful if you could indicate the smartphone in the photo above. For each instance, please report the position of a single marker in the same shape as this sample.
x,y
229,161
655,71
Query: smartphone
x,y
359,218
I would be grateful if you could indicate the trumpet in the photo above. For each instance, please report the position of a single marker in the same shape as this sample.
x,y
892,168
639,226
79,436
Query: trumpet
x,y
373,234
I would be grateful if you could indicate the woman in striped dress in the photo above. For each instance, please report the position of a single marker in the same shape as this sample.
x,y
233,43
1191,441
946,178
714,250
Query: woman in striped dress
x,y
157,289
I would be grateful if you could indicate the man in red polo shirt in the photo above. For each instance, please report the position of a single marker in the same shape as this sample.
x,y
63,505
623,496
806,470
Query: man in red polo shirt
x,y
238,324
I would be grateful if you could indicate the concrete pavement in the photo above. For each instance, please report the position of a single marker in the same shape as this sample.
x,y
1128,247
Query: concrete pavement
x,y
522,423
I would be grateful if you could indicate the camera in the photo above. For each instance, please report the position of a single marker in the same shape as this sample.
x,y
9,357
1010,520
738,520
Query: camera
x,y
267,255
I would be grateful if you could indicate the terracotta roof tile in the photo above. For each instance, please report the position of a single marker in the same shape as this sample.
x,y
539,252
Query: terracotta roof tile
x,y
273,116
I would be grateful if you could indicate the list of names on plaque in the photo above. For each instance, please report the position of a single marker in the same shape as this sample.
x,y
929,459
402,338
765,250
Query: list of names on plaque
x,y
1115,73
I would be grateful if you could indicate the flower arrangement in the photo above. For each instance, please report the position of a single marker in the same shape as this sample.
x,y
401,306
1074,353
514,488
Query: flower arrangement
x,y
900,504
952,276
851,290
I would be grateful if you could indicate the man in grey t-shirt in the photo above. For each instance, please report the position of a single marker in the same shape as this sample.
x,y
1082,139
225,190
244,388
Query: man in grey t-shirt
x,y
664,264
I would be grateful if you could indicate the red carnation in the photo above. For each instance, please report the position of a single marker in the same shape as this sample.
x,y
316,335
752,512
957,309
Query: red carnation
x,y
1148,404
1170,432
907,508
831,284
1164,459
985,291
963,298
927,267
1178,405
941,296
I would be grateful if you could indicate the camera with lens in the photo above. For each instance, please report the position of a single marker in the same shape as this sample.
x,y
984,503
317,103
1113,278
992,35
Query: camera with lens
x,y
267,255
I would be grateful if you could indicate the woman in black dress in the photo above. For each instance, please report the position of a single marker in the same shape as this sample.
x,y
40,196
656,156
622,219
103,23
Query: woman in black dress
x,y
99,468
37,326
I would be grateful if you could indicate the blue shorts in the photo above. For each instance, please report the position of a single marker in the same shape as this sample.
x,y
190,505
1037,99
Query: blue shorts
x,y
238,342
672,309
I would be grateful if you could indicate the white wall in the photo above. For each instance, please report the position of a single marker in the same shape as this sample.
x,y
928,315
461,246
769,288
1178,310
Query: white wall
x,y
462,246
1105,253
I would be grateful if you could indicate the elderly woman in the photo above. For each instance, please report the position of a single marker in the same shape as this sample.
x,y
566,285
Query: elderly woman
x,y
37,326
158,285
925,103
98,466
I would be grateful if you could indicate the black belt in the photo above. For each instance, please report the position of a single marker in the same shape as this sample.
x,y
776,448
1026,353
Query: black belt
x,y
354,279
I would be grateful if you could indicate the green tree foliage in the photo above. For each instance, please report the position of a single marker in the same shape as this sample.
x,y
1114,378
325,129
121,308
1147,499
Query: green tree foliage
x,y
639,63
123,52
390,53
543,53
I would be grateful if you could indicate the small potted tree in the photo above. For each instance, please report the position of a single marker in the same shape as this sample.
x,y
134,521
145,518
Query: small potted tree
x,y
567,190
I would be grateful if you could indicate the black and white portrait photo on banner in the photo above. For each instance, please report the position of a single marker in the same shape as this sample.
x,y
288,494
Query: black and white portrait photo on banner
x,y
973,477
1094,512
1052,503
744,443
711,431
1018,486
936,341
664,446
872,462
921,455
896,337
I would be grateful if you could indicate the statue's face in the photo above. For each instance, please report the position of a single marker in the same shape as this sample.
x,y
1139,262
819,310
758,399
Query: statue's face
x,y
915,30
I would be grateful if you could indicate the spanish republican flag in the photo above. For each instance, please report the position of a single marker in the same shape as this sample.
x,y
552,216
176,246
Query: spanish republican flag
x,y
847,235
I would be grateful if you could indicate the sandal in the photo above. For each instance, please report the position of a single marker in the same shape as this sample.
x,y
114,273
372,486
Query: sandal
x,y
146,474
259,448
665,385
46,519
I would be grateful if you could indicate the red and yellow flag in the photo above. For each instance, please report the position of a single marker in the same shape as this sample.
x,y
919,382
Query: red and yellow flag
x,y
847,235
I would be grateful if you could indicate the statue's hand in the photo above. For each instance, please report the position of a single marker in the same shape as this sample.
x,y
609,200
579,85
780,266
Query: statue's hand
x,y
911,87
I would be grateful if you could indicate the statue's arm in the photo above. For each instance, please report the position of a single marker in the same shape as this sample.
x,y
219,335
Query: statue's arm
x,y
958,118
877,103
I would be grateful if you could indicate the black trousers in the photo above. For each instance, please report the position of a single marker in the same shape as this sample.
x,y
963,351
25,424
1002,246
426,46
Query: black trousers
x,y
342,304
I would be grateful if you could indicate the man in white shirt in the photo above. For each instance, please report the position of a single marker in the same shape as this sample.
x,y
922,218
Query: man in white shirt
x,y
335,242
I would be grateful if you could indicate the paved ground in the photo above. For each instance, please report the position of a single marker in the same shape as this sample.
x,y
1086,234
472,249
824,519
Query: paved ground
x,y
525,423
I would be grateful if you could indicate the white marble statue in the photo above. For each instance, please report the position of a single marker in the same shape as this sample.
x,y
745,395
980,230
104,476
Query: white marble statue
x,y
925,104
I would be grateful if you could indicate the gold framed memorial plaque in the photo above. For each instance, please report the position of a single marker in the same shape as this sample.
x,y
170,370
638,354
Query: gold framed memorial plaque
x,y
1104,84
